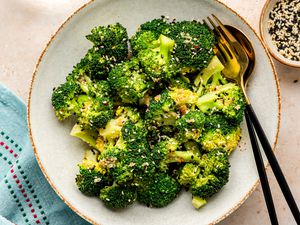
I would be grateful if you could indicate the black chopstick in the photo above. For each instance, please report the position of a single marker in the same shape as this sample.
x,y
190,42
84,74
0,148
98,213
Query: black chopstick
x,y
274,164
261,171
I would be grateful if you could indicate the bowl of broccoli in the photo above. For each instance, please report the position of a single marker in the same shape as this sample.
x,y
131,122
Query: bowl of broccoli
x,y
133,117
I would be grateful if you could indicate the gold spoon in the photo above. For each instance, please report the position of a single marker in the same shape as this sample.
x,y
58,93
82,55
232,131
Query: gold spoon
x,y
247,46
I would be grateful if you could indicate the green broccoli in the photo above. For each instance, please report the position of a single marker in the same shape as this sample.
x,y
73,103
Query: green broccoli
x,y
198,202
64,100
161,26
227,99
190,126
180,82
158,190
86,134
91,178
161,111
193,146
127,144
214,175
112,161
111,133
117,197
183,97
110,47
166,152
157,62
93,88
188,174
220,133
129,82
142,40
94,112
111,40
210,77
194,45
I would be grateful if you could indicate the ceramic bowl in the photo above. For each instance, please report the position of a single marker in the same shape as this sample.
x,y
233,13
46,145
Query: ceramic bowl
x,y
58,153
266,37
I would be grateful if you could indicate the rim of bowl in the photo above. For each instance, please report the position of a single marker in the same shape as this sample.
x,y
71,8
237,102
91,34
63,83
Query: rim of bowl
x,y
229,211
275,54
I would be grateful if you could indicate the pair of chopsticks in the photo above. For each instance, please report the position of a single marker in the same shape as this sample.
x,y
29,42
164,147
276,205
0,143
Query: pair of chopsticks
x,y
255,130
253,123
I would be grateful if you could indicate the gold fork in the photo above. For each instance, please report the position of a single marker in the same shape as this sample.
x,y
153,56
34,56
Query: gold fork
x,y
235,61
231,54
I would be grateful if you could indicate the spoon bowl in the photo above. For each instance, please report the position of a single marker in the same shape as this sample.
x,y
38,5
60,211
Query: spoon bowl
x,y
248,47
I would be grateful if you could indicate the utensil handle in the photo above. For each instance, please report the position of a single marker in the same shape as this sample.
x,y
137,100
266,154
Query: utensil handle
x,y
261,171
274,164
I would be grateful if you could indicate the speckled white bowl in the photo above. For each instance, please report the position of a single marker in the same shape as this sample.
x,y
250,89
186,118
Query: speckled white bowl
x,y
58,153
266,37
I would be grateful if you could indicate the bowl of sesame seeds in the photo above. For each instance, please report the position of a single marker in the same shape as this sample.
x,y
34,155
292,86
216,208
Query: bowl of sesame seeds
x,y
280,30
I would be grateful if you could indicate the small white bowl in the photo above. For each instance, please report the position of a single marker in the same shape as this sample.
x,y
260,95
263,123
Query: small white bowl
x,y
266,37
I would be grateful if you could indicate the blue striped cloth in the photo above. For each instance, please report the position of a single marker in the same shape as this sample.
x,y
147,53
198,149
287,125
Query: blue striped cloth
x,y
25,195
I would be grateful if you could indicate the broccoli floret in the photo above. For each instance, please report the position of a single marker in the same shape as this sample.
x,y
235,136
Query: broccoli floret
x,y
111,40
160,117
193,146
219,133
161,111
117,197
190,126
129,82
97,88
183,96
144,39
227,99
112,161
127,145
91,178
161,26
166,152
94,112
110,47
210,77
158,190
112,131
64,100
90,181
215,174
180,82
96,64
157,62
194,44
188,174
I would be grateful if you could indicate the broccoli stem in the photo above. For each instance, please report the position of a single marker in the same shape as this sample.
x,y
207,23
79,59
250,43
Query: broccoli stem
x,y
86,135
214,67
198,202
182,156
165,48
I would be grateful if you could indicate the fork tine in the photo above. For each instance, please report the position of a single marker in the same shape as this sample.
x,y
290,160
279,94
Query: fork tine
x,y
225,45
204,21
220,56
224,52
236,47
224,30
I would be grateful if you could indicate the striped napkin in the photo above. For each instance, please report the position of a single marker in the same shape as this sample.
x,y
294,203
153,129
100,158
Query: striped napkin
x,y
25,195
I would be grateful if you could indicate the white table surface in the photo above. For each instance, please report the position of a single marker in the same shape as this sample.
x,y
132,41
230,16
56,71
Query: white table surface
x,y
27,25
